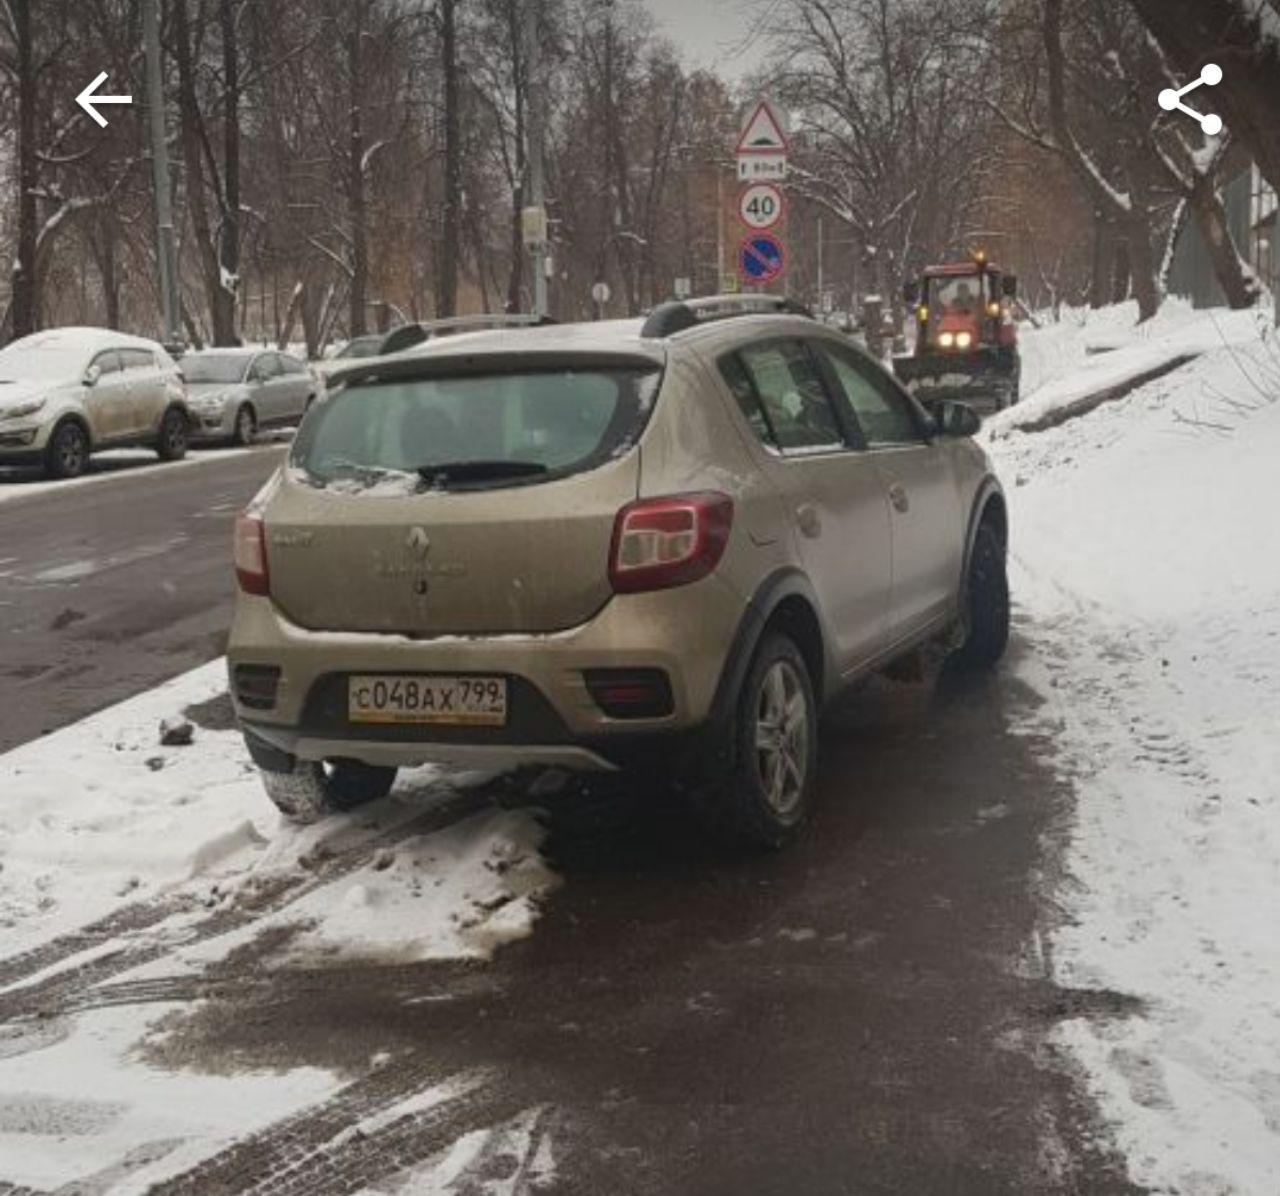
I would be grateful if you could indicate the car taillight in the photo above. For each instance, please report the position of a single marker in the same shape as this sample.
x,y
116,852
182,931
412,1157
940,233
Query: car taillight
x,y
663,542
251,554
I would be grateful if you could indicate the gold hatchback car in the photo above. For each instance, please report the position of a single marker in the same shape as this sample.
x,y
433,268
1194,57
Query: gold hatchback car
x,y
606,546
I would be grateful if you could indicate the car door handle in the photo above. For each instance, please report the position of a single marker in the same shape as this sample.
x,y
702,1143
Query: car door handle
x,y
898,496
808,520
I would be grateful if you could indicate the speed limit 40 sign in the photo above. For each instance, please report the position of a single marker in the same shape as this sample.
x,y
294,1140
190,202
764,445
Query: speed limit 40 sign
x,y
760,206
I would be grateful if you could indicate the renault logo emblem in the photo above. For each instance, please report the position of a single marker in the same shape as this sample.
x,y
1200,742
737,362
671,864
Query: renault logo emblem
x,y
418,542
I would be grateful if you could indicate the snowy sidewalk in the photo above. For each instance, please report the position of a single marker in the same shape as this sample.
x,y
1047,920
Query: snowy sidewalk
x,y
1146,569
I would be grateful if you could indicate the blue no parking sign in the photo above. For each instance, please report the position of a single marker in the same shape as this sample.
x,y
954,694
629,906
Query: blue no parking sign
x,y
761,258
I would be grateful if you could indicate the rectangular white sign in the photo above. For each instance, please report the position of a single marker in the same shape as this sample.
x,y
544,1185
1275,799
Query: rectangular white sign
x,y
762,168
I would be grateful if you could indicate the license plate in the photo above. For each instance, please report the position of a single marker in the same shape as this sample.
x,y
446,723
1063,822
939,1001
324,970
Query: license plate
x,y
448,701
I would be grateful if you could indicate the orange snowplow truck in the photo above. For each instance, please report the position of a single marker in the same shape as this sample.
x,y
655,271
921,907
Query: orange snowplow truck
x,y
966,339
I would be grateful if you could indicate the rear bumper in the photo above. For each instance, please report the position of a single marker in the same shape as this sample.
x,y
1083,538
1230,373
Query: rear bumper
x,y
553,719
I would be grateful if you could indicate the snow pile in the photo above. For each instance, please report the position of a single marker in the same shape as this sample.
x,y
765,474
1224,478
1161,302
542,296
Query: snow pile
x,y
1146,566
99,815
1092,351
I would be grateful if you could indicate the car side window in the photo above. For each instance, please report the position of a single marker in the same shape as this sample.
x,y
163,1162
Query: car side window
x,y
735,376
263,369
136,359
795,402
291,365
107,363
880,411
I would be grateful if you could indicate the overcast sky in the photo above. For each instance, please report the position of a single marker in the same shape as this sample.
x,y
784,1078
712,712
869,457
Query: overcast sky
x,y
709,32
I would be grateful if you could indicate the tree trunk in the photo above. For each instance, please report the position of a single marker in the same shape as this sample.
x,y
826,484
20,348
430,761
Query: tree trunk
x,y
1240,287
357,213
192,158
25,311
515,278
447,265
1192,32
1100,285
225,293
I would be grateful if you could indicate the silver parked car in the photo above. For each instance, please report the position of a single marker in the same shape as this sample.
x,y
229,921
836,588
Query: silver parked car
x,y
67,392
234,392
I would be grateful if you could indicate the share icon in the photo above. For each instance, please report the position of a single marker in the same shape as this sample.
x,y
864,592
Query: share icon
x,y
1171,100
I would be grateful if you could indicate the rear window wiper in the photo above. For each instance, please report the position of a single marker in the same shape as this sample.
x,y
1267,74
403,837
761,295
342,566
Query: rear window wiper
x,y
479,471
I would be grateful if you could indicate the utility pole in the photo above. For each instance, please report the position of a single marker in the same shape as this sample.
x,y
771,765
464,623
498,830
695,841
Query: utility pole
x,y
165,250
537,178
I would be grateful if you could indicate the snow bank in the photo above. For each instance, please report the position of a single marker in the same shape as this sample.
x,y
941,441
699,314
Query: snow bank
x,y
1092,351
100,814
1146,565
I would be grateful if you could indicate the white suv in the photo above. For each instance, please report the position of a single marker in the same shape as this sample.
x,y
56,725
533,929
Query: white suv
x,y
67,392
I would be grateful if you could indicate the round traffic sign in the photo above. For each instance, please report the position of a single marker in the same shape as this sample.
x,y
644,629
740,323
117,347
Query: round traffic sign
x,y
761,258
600,292
760,206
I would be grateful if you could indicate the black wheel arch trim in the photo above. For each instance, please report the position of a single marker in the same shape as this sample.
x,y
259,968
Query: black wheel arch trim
x,y
769,595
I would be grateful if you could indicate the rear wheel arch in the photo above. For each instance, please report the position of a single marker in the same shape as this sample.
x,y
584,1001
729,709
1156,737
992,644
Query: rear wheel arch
x,y
783,602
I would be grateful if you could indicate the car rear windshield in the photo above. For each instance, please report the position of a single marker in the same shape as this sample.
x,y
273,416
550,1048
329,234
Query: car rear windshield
x,y
214,367
476,430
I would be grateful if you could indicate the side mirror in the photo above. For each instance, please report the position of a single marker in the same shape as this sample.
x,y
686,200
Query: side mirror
x,y
955,419
911,293
1009,286
91,375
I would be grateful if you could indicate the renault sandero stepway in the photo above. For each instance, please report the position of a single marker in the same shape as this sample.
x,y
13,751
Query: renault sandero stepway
x,y
600,547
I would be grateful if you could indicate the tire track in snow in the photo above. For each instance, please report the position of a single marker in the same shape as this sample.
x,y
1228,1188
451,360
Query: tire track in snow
x,y
70,989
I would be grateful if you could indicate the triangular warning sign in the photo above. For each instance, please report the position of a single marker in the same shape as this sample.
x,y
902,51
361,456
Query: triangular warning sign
x,y
762,134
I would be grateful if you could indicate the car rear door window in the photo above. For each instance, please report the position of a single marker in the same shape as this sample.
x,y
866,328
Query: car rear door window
x,y
795,404
876,406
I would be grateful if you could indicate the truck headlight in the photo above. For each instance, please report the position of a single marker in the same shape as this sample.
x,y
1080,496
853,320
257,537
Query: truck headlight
x,y
946,339
964,340
28,408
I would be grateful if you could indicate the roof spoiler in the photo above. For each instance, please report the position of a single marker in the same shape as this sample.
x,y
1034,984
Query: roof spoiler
x,y
669,318
408,335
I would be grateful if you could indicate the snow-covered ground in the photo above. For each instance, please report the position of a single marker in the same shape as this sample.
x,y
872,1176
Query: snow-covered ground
x,y
172,858
16,483
1146,565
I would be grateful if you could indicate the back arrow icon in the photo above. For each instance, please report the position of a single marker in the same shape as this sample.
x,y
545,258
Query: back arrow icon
x,y
86,99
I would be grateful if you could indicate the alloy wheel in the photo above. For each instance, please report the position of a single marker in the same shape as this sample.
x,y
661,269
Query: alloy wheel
x,y
782,737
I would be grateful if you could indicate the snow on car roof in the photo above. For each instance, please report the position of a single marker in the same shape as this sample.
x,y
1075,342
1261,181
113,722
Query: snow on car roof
x,y
86,339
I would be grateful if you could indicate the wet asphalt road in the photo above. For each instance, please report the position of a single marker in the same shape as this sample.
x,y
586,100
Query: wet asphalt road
x,y
867,1012
111,585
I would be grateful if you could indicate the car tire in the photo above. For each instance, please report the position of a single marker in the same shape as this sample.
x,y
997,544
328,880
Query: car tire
x,y
171,444
245,427
311,790
986,603
67,453
769,754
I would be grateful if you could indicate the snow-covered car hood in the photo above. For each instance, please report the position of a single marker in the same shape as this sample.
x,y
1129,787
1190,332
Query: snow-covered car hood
x,y
212,392
15,391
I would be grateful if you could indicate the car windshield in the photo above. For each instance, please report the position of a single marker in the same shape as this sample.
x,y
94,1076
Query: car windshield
x,y
959,294
214,367
43,359
476,430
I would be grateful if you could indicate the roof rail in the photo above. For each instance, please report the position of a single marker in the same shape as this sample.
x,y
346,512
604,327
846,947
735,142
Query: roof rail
x,y
669,318
408,335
